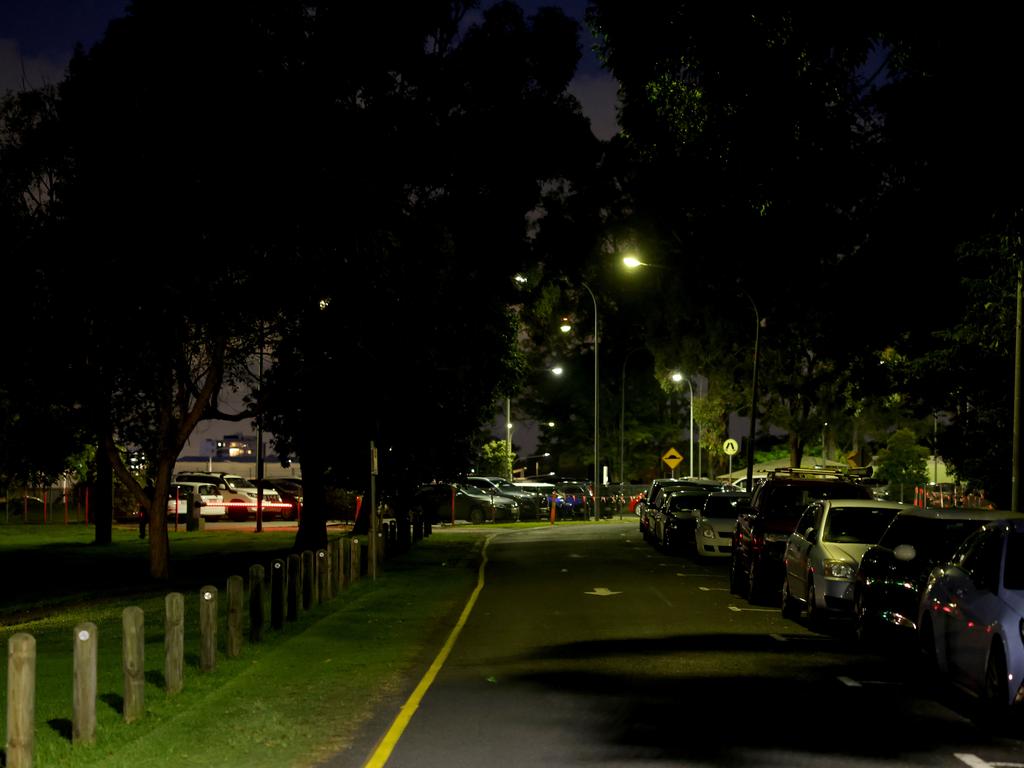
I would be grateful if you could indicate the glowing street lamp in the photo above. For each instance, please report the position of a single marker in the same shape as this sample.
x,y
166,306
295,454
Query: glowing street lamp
x,y
677,377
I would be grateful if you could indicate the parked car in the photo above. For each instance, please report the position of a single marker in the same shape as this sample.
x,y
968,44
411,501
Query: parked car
x,y
893,573
240,494
675,519
470,504
823,552
740,483
203,496
759,537
971,616
715,522
290,491
573,500
531,504
653,497
545,490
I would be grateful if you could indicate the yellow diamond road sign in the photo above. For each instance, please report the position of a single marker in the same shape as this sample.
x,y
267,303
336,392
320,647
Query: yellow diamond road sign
x,y
672,458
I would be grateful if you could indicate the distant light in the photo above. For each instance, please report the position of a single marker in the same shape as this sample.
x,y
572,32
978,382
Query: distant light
x,y
677,377
519,278
632,262
325,303
551,424
557,370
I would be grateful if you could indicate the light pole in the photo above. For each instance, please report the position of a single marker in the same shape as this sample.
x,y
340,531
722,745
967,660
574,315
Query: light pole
x,y
677,377
508,434
565,328
597,415
753,395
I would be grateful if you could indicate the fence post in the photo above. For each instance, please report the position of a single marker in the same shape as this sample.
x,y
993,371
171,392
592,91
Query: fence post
x,y
174,642
323,571
308,580
256,602
277,579
236,589
294,585
345,546
133,650
83,697
208,628
334,550
21,699
355,567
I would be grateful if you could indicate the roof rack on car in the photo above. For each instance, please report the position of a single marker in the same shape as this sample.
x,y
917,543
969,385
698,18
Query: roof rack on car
x,y
832,472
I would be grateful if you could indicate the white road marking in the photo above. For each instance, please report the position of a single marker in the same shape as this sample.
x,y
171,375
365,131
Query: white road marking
x,y
662,598
713,589
849,682
780,638
762,610
602,592
972,760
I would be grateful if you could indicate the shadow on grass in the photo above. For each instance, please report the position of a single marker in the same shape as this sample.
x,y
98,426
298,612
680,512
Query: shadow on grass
x,y
156,677
113,700
62,726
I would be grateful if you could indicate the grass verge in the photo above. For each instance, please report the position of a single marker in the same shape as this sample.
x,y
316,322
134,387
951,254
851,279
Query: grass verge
x,y
292,700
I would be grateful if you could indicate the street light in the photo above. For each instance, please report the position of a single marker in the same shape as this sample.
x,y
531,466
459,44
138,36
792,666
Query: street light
x,y
565,328
753,394
677,377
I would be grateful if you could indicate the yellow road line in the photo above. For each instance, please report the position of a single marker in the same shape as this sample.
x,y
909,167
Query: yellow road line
x,y
387,744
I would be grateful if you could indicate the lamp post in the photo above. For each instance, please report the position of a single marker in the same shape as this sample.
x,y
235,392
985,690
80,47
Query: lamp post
x,y
565,328
753,395
508,434
597,415
677,377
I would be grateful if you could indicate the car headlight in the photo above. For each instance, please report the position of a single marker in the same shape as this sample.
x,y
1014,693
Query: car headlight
x,y
838,569
707,532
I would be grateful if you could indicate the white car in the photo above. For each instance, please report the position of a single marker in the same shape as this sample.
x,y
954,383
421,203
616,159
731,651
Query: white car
x,y
240,495
716,521
204,495
824,551
971,615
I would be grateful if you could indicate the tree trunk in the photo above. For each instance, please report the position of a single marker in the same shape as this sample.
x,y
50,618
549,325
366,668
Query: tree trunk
x,y
101,503
312,534
796,450
159,543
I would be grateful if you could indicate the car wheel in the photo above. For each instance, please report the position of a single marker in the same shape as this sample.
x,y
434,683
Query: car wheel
x,y
996,692
737,579
865,627
476,516
790,607
814,613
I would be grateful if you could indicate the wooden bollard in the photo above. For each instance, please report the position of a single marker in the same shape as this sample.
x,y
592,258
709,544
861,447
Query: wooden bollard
x,y
174,642
256,602
133,662
21,700
323,573
208,628
236,596
334,554
294,585
308,580
417,525
277,581
83,695
345,545
355,569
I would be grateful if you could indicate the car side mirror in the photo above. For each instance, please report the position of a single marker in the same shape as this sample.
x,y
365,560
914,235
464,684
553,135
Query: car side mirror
x,y
904,552
810,534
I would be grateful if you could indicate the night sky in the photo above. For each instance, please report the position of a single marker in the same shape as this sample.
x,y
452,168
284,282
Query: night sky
x,y
37,38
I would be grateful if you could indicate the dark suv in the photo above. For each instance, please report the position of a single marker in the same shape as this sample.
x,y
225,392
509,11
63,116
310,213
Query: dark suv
x,y
759,538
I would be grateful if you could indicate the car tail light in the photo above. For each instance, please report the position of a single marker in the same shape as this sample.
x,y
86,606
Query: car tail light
x,y
756,541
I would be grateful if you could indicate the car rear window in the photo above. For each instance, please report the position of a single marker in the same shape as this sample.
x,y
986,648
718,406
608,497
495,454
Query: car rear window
x,y
933,538
856,525
724,507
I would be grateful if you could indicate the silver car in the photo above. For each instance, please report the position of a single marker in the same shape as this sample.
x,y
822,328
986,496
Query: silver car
x,y
824,550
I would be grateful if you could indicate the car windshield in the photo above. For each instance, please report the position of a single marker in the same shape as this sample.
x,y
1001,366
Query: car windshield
x,y
238,482
933,538
687,501
856,525
1013,574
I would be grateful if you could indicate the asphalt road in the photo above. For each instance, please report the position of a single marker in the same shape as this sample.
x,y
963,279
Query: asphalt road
x,y
586,646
